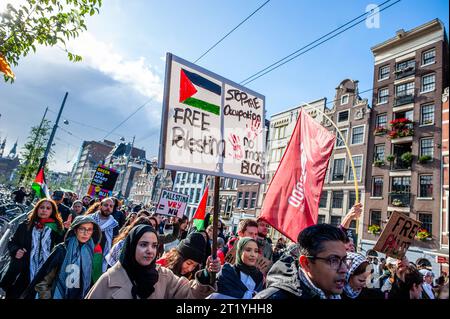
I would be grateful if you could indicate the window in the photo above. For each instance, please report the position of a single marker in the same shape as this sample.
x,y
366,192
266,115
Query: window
x,y
321,219
427,221
246,199
405,64
357,161
426,186
428,83
191,195
234,183
401,184
375,217
428,57
178,178
358,135
344,99
377,186
277,154
197,195
352,198
239,200
427,114
253,200
343,116
184,176
338,169
383,72
383,95
381,121
335,220
338,199
189,178
379,153
339,141
426,147
323,199
194,178
209,201
200,178
280,132
404,89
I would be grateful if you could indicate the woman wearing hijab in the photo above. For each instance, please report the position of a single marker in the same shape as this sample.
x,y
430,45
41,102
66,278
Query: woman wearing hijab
x,y
30,247
136,275
356,279
241,280
73,266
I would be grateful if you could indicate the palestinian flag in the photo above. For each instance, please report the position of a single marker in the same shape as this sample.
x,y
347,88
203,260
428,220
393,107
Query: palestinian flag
x,y
199,216
199,92
5,68
39,185
97,263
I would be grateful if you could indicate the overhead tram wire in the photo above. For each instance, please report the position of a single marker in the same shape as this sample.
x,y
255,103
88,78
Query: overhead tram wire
x,y
226,35
297,53
129,116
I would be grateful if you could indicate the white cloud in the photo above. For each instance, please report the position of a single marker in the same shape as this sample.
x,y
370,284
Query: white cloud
x,y
103,57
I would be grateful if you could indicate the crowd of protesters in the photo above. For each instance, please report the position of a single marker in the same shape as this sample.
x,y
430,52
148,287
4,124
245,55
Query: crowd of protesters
x,y
70,248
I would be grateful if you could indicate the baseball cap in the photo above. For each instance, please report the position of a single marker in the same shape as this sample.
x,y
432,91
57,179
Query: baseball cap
x,y
58,195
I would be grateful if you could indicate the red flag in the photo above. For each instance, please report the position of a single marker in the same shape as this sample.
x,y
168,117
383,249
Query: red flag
x,y
292,200
200,213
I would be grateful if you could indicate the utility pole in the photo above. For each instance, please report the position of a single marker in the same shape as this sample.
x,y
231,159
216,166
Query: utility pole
x,y
121,195
52,135
22,176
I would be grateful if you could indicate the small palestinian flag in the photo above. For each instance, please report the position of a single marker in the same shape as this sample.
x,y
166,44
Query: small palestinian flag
x,y
39,185
200,213
199,92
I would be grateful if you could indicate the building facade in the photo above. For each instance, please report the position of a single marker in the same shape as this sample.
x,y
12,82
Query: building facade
x,y
192,184
443,255
92,153
404,162
351,114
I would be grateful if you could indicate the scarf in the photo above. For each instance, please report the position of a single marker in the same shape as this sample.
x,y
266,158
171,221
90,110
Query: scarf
x,y
40,248
142,278
113,256
251,271
74,279
356,261
308,283
107,227
428,290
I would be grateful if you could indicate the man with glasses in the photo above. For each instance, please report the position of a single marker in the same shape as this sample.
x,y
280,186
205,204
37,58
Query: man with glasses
x,y
318,273
108,225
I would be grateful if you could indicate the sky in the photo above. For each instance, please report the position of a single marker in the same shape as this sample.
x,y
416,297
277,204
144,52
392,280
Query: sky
x,y
124,53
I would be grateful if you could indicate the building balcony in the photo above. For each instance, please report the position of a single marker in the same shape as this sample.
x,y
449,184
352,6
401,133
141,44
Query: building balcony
x,y
403,99
403,73
400,200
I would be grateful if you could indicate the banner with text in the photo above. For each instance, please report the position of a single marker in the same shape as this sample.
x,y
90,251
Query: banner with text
x,y
397,236
103,182
211,125
172,204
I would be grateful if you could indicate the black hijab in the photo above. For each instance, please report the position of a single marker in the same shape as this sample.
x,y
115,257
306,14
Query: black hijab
x,y
142,278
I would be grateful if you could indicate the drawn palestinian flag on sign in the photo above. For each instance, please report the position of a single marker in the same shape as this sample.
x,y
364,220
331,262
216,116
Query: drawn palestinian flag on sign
x,y
199,92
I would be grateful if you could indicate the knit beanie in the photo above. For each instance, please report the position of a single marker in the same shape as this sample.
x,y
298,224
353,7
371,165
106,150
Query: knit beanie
x,y
193,247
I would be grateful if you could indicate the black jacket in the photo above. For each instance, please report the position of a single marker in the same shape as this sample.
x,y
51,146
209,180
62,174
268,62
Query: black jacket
x,y
19,196
119,216
16,277
229,282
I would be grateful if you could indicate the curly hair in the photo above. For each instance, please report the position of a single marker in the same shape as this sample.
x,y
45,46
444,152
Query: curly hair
x,y
33,216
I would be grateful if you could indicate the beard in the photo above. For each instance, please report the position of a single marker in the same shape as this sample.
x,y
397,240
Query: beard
x,y
105,213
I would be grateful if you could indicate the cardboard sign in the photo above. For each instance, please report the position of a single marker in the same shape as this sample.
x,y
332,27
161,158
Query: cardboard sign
x,y
172,204
397,236
211,125
103,182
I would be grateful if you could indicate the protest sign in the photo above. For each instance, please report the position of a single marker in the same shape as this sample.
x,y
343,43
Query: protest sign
x,y
103,182
397,236
211,125
172,204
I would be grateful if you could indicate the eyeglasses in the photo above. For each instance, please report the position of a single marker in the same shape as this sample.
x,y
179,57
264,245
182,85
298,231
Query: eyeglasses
x,y
85,230
335,262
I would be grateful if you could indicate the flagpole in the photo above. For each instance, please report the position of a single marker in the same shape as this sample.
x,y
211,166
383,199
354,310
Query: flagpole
x,y
355,181
215,222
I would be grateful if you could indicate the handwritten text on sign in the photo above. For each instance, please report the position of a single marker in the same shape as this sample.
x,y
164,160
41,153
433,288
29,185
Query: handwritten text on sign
x,y
397,236
172,204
